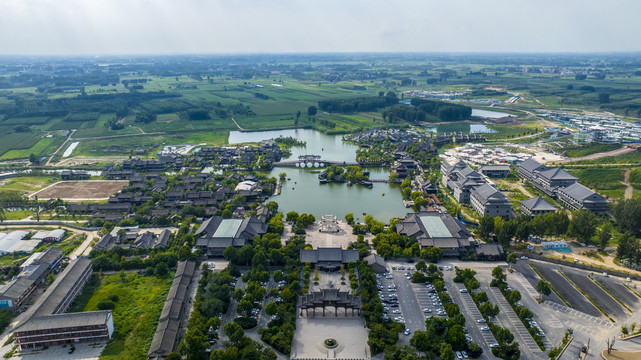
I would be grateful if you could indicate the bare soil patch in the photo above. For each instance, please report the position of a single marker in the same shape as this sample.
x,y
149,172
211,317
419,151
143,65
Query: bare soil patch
x,y
81,190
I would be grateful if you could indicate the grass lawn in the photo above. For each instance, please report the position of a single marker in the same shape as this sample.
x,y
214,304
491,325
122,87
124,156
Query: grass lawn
x,y
26,184
136,312
17,215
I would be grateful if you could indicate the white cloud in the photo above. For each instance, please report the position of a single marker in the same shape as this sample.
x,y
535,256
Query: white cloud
x,y
223,26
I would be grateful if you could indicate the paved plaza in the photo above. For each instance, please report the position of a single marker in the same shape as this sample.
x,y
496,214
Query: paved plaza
x,y
349,332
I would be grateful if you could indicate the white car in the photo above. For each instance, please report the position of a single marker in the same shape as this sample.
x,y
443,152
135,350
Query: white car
x,y
407,332
426,310
494,345
480,321
485,328
462,290
396,311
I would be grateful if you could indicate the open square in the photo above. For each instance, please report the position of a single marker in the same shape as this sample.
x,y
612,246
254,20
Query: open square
x,y
349,332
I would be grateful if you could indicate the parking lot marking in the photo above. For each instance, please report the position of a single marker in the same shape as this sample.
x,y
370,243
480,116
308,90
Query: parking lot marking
x,y
514,319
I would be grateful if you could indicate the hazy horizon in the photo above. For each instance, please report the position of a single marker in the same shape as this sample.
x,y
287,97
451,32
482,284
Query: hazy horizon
x,y
199,27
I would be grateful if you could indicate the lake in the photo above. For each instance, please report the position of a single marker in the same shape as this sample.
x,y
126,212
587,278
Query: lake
x,y
304,194
489,114
460,127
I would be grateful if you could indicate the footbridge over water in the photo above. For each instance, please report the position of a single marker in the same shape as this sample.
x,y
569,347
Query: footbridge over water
x,y
312,161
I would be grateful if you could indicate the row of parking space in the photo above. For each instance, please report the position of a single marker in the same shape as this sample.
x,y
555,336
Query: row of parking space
x,y
506,308
428,300
474,312
388,293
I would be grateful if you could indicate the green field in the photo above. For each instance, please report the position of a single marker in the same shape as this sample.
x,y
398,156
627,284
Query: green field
x,y
26,184
590,149
607,182
139,302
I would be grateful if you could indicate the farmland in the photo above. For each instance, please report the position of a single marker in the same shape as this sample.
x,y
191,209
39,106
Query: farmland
x,y
201,100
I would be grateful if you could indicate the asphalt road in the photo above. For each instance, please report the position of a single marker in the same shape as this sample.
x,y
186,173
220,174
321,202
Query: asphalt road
x,y
566,290
600,297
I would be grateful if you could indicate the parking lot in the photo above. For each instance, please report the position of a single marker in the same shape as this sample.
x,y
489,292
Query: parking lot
x,y
522,334
600,297
617,289
480,335
566,290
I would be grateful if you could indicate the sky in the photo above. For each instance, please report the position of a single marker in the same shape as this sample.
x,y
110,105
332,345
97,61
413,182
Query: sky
x,y
117,27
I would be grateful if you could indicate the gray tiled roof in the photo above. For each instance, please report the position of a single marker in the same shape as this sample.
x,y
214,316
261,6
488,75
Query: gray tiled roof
x,y
57,291
531,165
538,204
487,191
557,174
66,320
578,192
495,168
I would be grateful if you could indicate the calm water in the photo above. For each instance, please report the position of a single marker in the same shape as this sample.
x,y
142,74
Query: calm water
x,y
460,127
329,147
489,114
304,194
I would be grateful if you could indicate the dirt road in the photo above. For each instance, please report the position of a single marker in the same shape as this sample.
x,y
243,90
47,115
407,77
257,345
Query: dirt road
x,y
621,151
626,182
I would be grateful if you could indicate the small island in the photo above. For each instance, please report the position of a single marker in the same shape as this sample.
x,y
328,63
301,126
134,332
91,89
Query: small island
x,y
350,174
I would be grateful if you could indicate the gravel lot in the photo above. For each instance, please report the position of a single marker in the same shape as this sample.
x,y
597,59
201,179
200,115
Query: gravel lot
x,y
81,190
600,297
566,290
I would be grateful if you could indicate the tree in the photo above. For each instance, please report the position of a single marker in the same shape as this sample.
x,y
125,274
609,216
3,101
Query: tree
x,y
421,266
231,254
604,235
34,159
511,259
456,337
312,110
543,287
234,332
628,247
161,269
282,175
628,214
486,226
292,216
50,279
238,294
271,308
349,217
497,273
434,254
446,352
583,224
